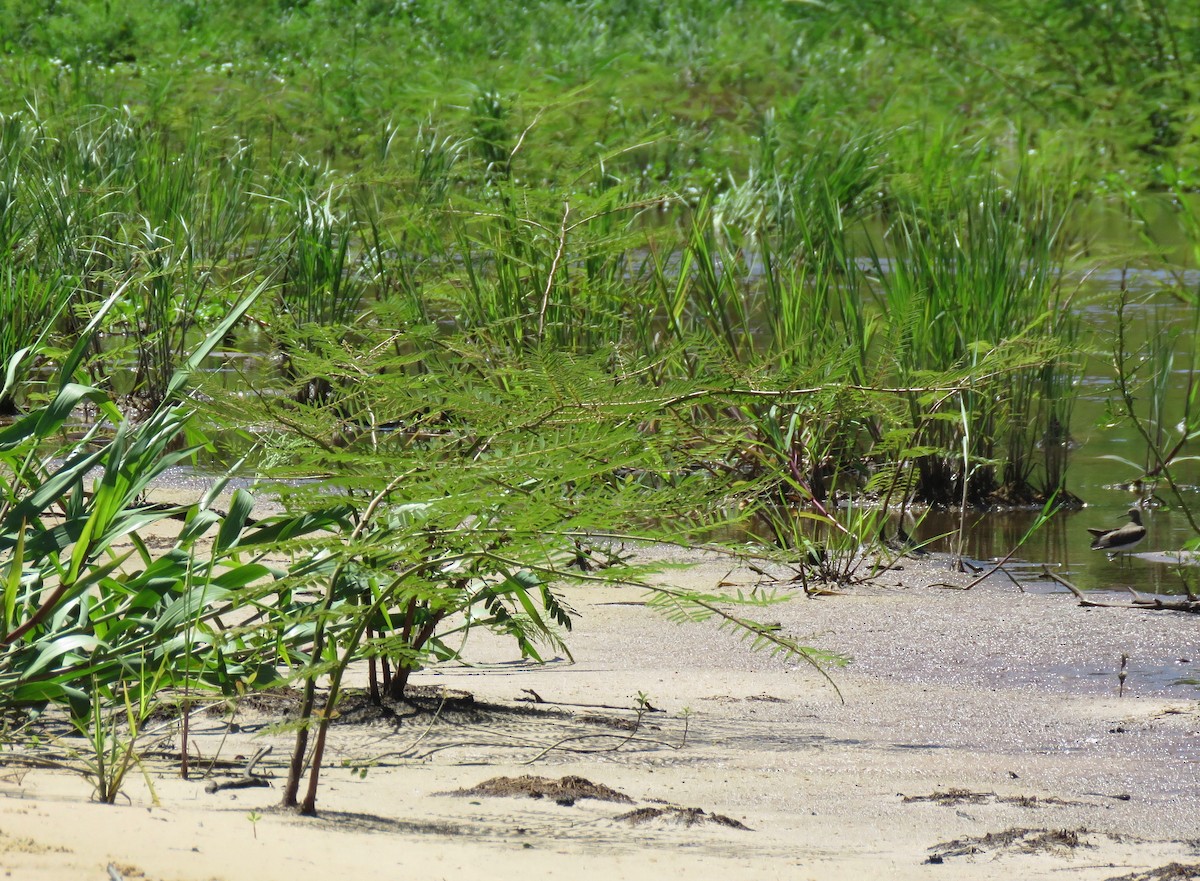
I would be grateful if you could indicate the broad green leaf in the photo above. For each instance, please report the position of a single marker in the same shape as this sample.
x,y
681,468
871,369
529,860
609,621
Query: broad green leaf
x,y
82,548
57,648
231,527
199,524
10,374
188,607
12,585
96,573
47,542
243,575
287,526
133,520
72,471
33,693
45,422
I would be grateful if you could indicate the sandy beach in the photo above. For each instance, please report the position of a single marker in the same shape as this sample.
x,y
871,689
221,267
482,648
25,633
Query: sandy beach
x,y
979,734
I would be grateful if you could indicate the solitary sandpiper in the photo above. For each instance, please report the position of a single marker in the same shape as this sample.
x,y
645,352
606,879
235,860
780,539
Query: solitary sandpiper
x,y
1121,540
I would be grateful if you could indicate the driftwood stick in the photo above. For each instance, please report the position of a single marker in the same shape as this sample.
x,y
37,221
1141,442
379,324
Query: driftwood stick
x,y
248,778
1083,601
1153,603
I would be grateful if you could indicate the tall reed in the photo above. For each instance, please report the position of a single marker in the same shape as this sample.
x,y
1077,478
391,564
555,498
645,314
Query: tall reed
x,y
969,285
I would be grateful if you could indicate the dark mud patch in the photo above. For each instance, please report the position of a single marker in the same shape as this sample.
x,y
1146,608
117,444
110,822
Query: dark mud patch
x,y
1012,841
356,707
679,817
420,703
955,796
279,703
564,791
1169,872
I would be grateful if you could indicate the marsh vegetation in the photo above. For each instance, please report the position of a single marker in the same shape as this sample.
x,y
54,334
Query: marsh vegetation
x,y
515,287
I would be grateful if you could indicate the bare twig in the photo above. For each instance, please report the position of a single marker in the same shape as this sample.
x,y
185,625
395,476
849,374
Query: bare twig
x,y
998,566
558,253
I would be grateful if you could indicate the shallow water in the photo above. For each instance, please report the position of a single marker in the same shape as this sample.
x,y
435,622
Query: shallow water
x,y
1063,545
1096,474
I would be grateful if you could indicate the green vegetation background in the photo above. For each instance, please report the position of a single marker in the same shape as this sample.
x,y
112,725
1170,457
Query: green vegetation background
x,y
1099,92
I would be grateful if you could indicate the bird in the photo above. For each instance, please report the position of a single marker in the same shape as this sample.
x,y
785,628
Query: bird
x,y
1120,540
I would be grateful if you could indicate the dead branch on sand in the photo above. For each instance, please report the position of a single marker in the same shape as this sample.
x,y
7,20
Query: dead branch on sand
x,y
1139,601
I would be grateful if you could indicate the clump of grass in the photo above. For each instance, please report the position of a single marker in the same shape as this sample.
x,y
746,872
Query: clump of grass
x,y
969,286
319,282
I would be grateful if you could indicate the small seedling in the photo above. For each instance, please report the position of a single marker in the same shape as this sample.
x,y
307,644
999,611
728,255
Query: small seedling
x,y
686,712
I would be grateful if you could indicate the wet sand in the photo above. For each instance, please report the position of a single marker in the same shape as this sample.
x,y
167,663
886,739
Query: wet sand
x,y
981,736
